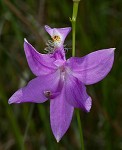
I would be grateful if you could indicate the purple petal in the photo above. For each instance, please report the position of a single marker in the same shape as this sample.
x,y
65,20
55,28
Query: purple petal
x,y
93,67
63,32
76,94
49,30
40,64
37,89
60,115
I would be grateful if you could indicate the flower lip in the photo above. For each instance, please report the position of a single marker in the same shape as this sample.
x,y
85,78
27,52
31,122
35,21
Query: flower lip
x,y
58,35
56,38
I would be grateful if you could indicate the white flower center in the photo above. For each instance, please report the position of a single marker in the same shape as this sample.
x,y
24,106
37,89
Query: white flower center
x,y
64,71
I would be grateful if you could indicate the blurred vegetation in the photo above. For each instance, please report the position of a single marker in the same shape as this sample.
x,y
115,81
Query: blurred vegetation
x,y
27,126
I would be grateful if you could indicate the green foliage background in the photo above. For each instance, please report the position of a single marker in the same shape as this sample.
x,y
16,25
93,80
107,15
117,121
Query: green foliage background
x,y
27,126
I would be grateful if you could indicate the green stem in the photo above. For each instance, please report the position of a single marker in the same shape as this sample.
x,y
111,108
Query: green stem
x,y
80,129
73,21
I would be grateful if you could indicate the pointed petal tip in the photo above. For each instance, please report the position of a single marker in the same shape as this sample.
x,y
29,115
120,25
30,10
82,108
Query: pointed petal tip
x,y
88,110
47,27
88,104
25,40
112,49
58,138
109,50
9,102
69,29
